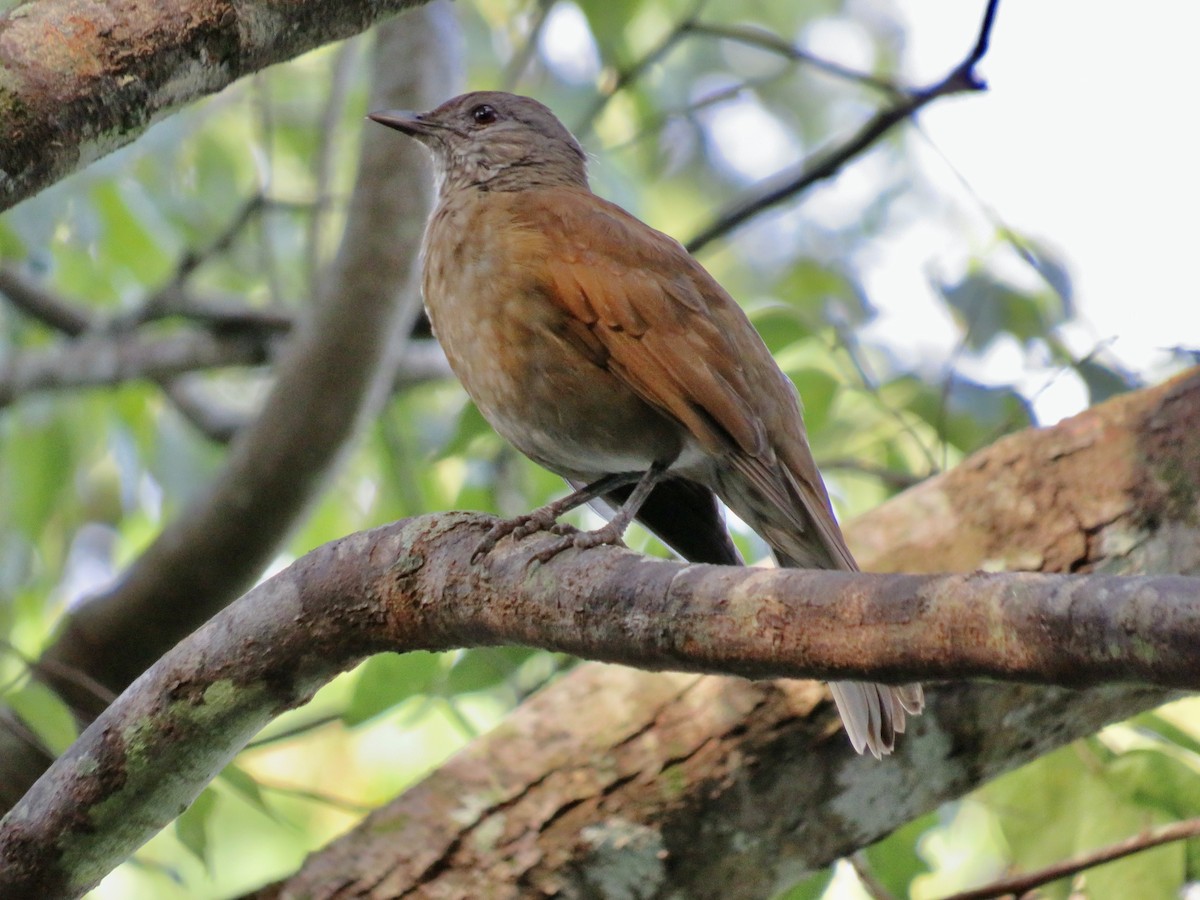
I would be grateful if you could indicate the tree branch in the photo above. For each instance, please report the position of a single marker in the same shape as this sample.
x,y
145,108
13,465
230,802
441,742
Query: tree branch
x,y
411,585
1021,885
101,360
687,784
794,181
84,77
43,305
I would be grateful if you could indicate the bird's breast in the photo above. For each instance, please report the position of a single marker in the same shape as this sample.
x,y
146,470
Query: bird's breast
x,y
536,375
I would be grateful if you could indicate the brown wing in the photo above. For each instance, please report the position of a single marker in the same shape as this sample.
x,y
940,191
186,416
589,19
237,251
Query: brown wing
x,y
675,336
684,346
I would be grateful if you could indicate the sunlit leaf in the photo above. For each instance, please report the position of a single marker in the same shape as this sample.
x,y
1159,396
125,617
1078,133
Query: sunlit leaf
x,y
192,826
810,888
894,861
244,785
387,679
45,713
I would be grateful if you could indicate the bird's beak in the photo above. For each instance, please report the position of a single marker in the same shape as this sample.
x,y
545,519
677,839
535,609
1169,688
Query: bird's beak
x,y
403,120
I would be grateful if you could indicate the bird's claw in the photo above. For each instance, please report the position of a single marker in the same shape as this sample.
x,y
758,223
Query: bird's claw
x,y
519,527
540,521
581,540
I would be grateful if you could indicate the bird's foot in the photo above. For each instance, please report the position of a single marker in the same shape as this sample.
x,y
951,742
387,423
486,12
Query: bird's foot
x,y
544,519
583,540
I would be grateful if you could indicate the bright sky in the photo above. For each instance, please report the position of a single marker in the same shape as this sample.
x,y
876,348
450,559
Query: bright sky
x,y
1089,139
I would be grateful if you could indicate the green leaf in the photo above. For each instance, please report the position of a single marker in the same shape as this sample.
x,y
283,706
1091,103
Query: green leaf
x,y
244,785
987,308
191,827
811,888
471,425
1156,779
817,392
967,415
484,668
1167,730
815,288
387,679
778,325
608,20
1102,382
895,861
38,472
1058,807
45,713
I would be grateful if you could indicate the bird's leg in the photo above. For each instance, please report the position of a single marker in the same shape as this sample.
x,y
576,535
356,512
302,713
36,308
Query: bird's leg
x,y
614,529
546,518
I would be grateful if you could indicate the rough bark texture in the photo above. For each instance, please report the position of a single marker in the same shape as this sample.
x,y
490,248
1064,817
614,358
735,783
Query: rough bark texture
x,y
80,78
611,779
614,783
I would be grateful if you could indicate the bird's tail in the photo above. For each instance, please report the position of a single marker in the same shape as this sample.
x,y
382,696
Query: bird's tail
x,y
873,714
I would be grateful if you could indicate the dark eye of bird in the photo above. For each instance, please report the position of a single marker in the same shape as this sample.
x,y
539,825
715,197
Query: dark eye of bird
x,y
483,114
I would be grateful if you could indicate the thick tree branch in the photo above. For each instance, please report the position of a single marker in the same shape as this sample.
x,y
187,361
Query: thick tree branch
x,y
80,78
411,586
674,784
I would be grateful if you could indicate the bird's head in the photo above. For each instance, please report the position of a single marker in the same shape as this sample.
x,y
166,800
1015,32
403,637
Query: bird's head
x,y
494,141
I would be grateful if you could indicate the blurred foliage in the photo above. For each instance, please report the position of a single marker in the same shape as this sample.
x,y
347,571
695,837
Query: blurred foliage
x,y
227,198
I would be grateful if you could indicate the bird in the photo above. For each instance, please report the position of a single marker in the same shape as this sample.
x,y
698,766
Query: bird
x,y
602,350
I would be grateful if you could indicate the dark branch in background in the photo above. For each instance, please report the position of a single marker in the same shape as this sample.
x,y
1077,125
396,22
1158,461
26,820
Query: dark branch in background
x,y
337,368
961,79
108,353
1021,885
410,585
70,102
105,361
42,305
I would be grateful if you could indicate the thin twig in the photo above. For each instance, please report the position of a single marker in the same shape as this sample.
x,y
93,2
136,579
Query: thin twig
x,y
627,75
520,60
192,259
1021,884
767,40
825,165
848,341
296,730
40,304
301,793
654,125
893,478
